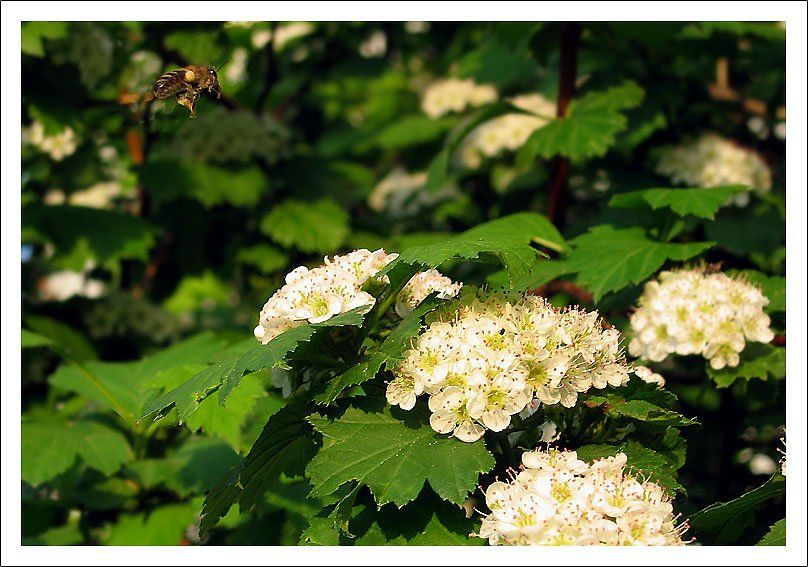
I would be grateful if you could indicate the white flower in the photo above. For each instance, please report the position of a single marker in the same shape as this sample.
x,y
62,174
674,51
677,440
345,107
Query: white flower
x,y
57,146
711,161
98,196
558,499
450,414
420,286
647,375
403,391
487,356
318,294
403,194
62,285
455,95
695,312
505,133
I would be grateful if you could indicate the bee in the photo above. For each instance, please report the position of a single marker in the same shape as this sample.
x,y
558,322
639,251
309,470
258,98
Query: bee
x,y
187,84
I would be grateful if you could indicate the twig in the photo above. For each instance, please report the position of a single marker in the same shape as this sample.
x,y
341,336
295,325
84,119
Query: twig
x,y
570,42
154,264
271,76
562,286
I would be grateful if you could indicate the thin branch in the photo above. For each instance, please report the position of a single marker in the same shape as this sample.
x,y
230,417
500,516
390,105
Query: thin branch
x,y
568,72
563,286
271,75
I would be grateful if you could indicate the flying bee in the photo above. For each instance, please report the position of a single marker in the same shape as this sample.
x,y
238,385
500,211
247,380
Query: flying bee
x,y
187,84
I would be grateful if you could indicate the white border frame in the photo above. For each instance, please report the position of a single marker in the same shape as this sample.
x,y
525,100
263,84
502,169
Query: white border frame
x,y
793,13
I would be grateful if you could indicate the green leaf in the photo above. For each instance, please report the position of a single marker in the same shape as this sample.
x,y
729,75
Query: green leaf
x,y
776,534
641,460
589,128
412,130
210,185
439,168
699,202
225,374
29,339
389,353
284,446
507,239
50,448
267,259
34,32
121,386
714,525
68,534
373,447
193,469
227,420
79,233
355,375
521,227
198,292
320,531
73,342
758,361
640,401
765,30
608,259
165,525
500,60
751,230
426,521
773,287
319,226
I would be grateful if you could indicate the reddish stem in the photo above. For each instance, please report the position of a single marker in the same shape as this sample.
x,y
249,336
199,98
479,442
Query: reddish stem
x,y
568,72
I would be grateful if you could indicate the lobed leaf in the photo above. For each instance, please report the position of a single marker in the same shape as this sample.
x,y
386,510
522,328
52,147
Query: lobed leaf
x,y
608,259
589,128
701,202
225,374
758,361
374,447
715,524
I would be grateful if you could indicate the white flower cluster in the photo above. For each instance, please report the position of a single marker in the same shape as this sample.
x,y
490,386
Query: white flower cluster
x,y
783,459
62,285
99,196
315,295
508,132
711,161
420,286
404,194
695,312
57,146
558,499
455,95
484,357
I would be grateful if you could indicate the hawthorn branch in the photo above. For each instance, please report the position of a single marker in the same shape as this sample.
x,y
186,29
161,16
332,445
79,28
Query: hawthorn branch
x,y
575,291
271,76
568,72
